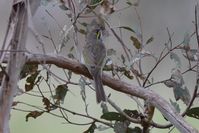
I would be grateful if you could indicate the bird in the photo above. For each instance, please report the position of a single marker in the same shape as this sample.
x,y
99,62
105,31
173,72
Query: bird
x,y
94,54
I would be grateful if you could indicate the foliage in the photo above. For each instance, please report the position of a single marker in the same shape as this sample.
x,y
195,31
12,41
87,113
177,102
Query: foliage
x,y
123,64
193,112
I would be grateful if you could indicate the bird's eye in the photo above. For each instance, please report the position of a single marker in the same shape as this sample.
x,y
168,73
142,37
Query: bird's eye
x,y
98,33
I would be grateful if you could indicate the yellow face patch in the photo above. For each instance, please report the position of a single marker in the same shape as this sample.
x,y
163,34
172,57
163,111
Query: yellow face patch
x,y
98,34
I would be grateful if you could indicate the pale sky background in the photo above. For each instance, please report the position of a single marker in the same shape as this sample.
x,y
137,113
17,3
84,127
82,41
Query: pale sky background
x,y
156,16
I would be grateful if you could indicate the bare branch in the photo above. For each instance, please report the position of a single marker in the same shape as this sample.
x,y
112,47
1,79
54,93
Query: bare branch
x,y
162,105
15,39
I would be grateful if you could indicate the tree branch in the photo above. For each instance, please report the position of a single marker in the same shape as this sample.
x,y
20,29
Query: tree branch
x,y
15,39
161,104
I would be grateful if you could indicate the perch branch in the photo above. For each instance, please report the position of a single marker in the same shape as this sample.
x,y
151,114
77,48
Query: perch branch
x,y
162,105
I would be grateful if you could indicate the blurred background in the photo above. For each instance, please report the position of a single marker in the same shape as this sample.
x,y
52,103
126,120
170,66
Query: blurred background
x,y
155,16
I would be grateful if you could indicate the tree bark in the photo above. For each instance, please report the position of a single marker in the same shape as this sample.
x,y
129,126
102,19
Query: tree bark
x,y
15,39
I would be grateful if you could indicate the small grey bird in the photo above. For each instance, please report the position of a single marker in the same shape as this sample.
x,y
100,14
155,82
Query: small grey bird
x,y
94,54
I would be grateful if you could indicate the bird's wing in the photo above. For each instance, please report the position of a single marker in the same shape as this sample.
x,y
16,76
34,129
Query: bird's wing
x,y
94,55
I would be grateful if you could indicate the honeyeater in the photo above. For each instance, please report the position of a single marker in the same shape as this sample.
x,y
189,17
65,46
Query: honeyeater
x,y
94,54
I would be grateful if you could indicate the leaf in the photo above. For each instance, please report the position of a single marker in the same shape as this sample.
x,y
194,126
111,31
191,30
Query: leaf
x,y
28,69
127,28
149,40
82,84
111,52
177,78
70,55
123,59
34,114
30,81
193,112
182,93
29,87
102,128
134,130
106,7
137,57
70,74
128,74
32,78
104,108
113,116
60,93
45,2
46,103
136,42
132,113
72,48
175,105
121,127
14,103
84,24
91,129
129,3
82,31
95,2
176,59
179,88
63,7
191,54
186,39
169,83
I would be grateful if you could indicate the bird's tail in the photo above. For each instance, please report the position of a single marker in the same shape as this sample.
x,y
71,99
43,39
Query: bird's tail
x,y
100,94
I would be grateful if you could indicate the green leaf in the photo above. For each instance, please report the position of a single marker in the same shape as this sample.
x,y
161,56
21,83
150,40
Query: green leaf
x,y
179,88
182,93
60,93
82,31
175,105
34,114
177,78
70,74
136,58
70,55
134,130
176,59
186,39
95,2
84,24
113,116
149,40
72,48
121,127
136,42
82,84
129,3
127,28
63,7
132,113
111,52
169,83
104,108
45,2
91,129
193,112
191,54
